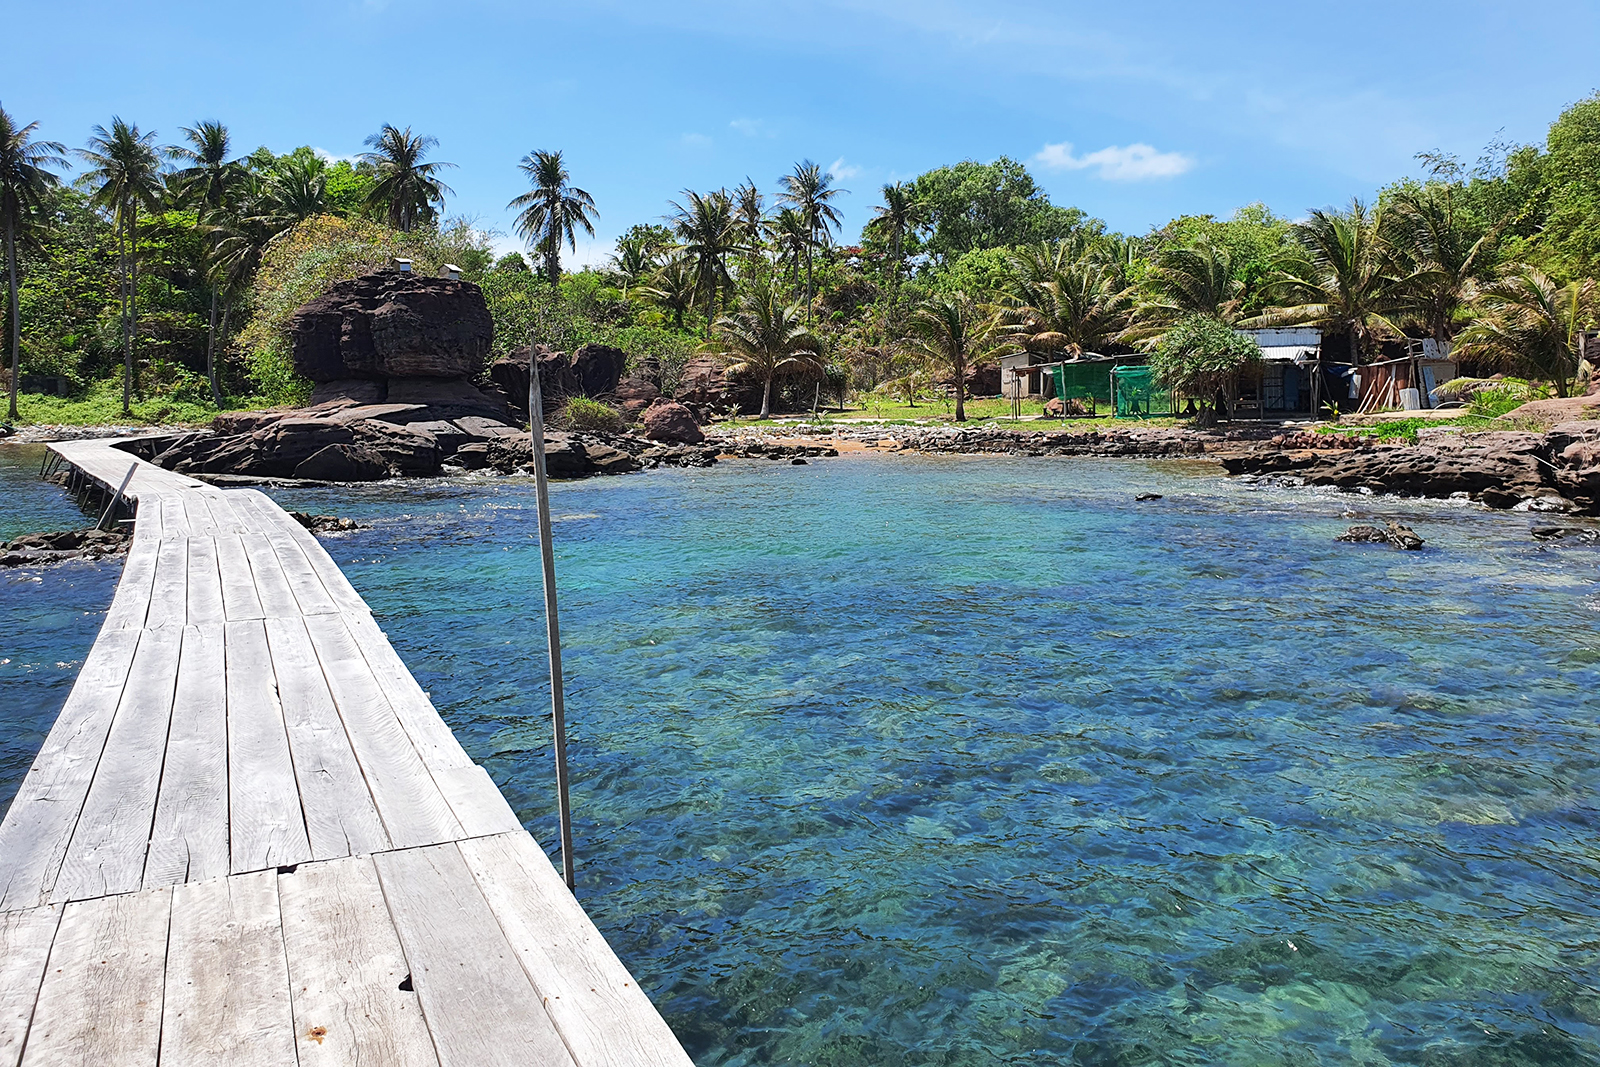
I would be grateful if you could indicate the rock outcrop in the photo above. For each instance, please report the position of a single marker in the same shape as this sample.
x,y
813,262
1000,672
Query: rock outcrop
x,y
393,325
666,420
36,550
593,371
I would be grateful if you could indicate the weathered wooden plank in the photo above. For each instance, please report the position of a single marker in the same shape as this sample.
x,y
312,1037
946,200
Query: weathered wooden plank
x,y
602,1014
225,515
189,840
131,603
174,516
480,1007
198,514
101,998
240,600
266,823
307,588
25,938
341,819
477,802
272,585
227,990
428,732
413,809
275,519
39,824
205,583
107,852
169,592
347,969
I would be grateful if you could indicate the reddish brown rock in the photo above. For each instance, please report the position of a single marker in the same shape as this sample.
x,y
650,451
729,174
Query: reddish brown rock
x,y
667,420
393,325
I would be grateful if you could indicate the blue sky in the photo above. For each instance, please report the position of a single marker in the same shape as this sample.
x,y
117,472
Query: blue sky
x,y
1135,112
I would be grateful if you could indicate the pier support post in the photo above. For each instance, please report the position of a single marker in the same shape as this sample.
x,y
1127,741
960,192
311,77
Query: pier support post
x,y
558,710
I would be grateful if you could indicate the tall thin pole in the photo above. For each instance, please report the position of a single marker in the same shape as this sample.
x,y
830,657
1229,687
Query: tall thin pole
x,y
558,707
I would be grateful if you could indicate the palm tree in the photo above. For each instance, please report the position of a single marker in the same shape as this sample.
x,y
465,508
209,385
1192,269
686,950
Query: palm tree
x,y
901,215
673,287
1198,280
1446,262
809,190
789,234
1527,321
1067,296
26,178
766,336
749,217
209,182
1347,281
956,333
553,210
706,226
407,188
125,174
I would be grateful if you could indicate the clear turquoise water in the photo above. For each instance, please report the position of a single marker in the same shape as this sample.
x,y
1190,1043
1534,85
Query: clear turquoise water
x,y
48,617
949,761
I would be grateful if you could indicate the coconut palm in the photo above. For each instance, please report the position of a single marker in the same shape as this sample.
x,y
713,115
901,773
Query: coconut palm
x,y
1347,281
1201,279
956,333
808,189
1528,322
406,189
705,225
900,215
766,336
124,175
553,211
673,287
26,179
210,182
1446,261
792,238
749,217
295,189
1066,296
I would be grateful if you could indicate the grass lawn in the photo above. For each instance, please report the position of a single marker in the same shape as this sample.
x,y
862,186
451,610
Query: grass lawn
x,y
101,405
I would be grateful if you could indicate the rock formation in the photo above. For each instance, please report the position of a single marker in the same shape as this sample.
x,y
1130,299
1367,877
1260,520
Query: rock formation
x,y
592,371
666,420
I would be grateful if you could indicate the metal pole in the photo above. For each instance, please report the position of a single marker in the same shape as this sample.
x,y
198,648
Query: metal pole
x,y
116,498
558,709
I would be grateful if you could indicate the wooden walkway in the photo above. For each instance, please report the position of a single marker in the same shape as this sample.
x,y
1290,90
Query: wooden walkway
x,y
250,839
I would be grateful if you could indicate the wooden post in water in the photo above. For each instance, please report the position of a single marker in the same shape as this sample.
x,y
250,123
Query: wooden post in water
x,y
116,498
558,709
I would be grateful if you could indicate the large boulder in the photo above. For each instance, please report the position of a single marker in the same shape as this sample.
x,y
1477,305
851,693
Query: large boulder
x,y
596,370
669,421
392,325
592,371
343,463
635,394
278,450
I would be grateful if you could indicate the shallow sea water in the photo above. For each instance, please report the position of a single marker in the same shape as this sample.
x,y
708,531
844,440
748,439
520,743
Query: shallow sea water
x,y
951,761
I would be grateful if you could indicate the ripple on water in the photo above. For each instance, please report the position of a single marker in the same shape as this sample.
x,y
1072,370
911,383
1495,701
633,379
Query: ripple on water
x,y
891,761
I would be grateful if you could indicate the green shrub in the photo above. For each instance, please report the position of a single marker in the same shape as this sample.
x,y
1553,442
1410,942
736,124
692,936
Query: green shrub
x,y
1505,396
590,416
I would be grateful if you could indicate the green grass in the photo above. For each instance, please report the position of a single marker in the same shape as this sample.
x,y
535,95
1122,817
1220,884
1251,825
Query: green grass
x,y
983,411
101,405
1405,430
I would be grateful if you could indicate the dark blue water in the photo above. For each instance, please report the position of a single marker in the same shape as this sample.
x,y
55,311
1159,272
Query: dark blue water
x,y
947,761
48,616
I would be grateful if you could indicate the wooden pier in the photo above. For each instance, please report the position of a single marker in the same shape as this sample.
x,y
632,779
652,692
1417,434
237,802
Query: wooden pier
x,y
250,839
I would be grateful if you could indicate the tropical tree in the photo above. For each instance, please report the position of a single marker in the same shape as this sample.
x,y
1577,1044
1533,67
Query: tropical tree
x,y
407,188
749,217
1528,322
900,215
1200,355
1067,296
1346,281
125,174
553,211
1445,259
1201,279
673,287
956,333
210,182
792,239
706,227
26,178
767,337
809,190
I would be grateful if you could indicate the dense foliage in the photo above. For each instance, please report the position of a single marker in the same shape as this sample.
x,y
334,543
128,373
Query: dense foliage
x,y
176,267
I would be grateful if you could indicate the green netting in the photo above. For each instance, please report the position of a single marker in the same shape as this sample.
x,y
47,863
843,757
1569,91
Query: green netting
x,y
1137,395
1083,381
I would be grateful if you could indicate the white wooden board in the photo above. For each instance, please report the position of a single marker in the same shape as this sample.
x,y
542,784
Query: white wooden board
x,y
267,825
189,840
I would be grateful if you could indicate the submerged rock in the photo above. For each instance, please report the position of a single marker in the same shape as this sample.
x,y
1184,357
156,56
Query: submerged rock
x,y
1402,537
39,549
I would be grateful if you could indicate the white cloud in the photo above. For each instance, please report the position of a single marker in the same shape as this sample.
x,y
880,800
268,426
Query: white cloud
x,y
1137,162
753,127
695,140
843,171
328,157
